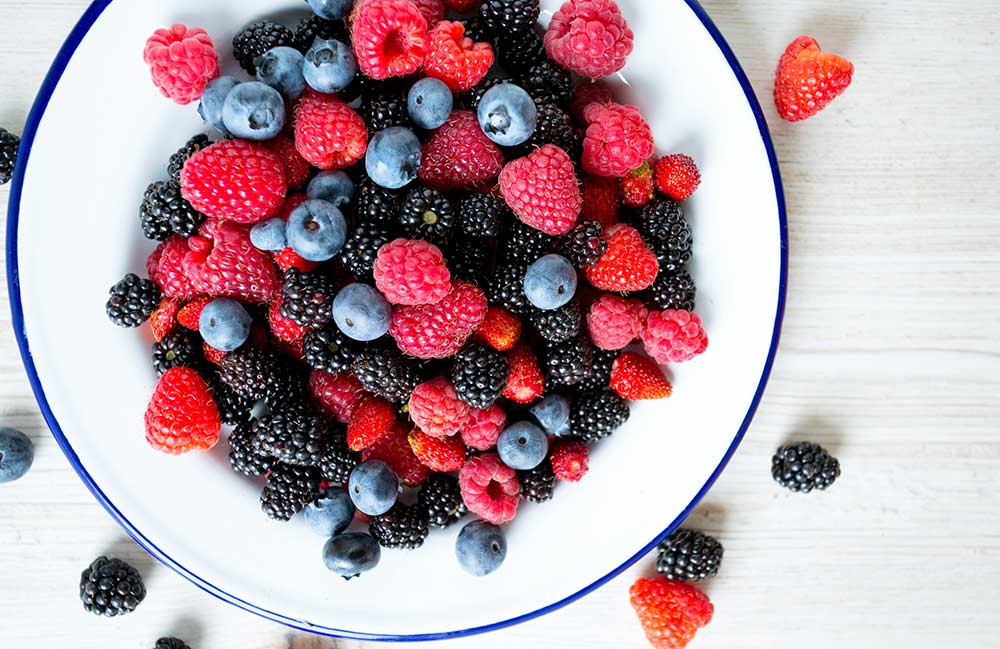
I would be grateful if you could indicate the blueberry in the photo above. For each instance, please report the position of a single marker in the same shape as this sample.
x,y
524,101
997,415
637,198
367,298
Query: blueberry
x,y
334,186
269,235
281,68
329,66
361,312
550,282
316,230
331,9
393,157
373,487
430,102
522,446
480,548
224,324
254,111
16,454
507,114
552,414
212,100
349,555
330,513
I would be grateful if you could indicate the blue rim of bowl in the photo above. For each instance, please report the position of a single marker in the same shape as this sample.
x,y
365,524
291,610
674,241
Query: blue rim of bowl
x,y
63,57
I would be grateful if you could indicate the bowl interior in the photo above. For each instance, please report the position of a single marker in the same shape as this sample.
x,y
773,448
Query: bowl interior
x,y
106,133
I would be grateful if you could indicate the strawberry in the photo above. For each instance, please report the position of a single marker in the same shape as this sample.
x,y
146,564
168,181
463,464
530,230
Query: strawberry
x,y
808,79
164,318
569,458
438,453
670,612
223,263
525,382
636,377
394,449
500,330
190,313
637,186
181,415
371,420
211,354
677,176
628,264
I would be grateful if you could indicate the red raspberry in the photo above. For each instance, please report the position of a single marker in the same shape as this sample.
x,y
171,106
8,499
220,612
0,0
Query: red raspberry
x,y
490,488
484,427
456,59
168,259
412,272
223,263
677,176
587,94
438,453
462,6
164,318
389,37
670,612
284,329
459,154
636,377
288,258
602,200
589,37
436,409
394,449
627,265
190,314
182,61
432,10
808,79
500,330
335,394
371,420
234,180
674,336
211,354
614,322
525,381
618,140
569,459
439,330
328,133
638,186
297,170
181,415
543,191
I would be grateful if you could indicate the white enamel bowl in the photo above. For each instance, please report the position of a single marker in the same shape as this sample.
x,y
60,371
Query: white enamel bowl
x,y
100,132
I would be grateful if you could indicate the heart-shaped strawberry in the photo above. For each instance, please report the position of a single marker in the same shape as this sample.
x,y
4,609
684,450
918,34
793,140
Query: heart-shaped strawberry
x,y
222,262
628,264
543,191
808,79
439,330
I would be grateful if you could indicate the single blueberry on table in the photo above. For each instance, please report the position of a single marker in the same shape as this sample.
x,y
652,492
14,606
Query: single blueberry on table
x,y
330,513
16,454
281,68
329,66
522,446
334,186
507,114
552,414
550,282
254,111
269,235
393,157
212,100
361,312
349,555
429,103
224,324
373,487
331,9
480,548
316,230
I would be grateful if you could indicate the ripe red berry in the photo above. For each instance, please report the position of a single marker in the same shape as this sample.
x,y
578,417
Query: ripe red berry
x,y
677,176
636,377
501,329
638,185
190,314
459,155
284,329
164,318
627,265
808,79
411,272
165,267
182,60
454,58
438,453
371,420
569,459
328,134
222,262
439,330
436,409
181,415
587,94
389,37
543,191
336,394
490,488
618,140
394,449
674,336
297,169
462,6
602,200
525,381
234,180
288,258
483,428
589,37
670,612
614,322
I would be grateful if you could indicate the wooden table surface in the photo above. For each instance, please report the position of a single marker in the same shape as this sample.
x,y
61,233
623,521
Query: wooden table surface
x,y
890,357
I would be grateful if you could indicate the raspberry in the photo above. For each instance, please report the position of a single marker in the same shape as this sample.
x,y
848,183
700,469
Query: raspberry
x,y
328,133
190,314
234,180
163,320
461,6
459,154
670,612
500,330
432,10
674,336
614,322
389,37
542,190
525,382
182,61
636,377
297,170
288,258
166,268
589,37
587,94
439,330
438,453
601,200
283,328
436,409
411,272
223,263
628,265
484,427
618,140
456,59
336,395
181,415
371,420
212,355
490,488
394,449
569,459
638,185
808,79
677,177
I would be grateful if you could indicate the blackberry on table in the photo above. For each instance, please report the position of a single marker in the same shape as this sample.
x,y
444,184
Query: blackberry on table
x,y
403,526
524,244
687,555
288,490
307,298
671,290
507,16
538,484
191,147
234,409
596,415
554,126
804,466
506,288
583,245
257,374
557,325
328,348
111,587
479,375
470,260
426,213
132,300
312,27
663,226
165,211
569,362
361,248
293,436
179,348
339,460
373,204
244,454
8,154
548,83
482,215
256,39
441,499
600,375
171,643
385,110
518,51
384,371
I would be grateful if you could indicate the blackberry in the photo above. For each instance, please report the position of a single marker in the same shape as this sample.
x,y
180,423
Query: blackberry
x,y
307,298
288,490
475,28
111,587
293,436
674,290
373,204
479,375
441,499
524,244
596,415
8,154
386,372
804,466
339,460
256,374
555,126
471,98
402,527
568,363
506,288
165,211
191,147
328,348
171,643
179,348
481,215
687,555
244,454
132,301
313,27
426,213
663,226
256,39
234,409
518,51
507,16
361,248
470,260
548,83
538,484
583,245
385,110
557,325
600,375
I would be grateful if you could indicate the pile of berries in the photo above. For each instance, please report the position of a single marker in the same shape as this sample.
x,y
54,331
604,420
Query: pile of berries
x,y
417,270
